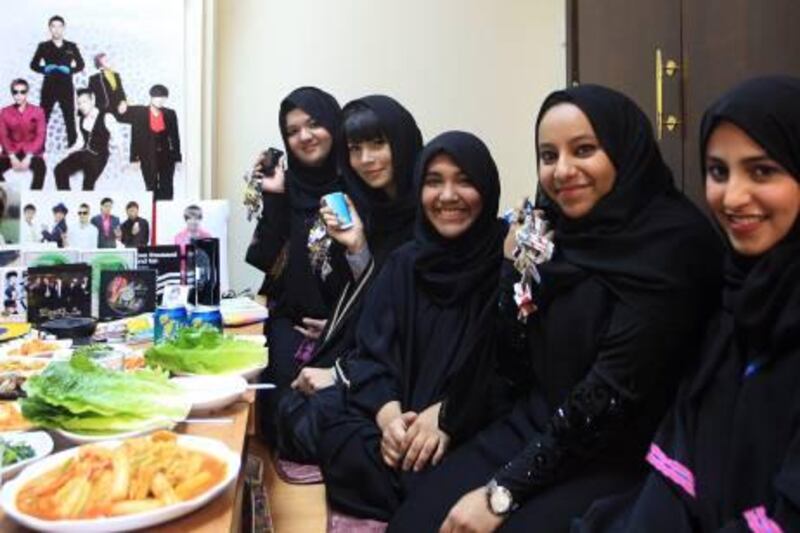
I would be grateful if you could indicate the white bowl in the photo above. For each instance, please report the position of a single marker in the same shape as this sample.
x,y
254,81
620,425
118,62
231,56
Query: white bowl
x,y
42,446
218,449
209,393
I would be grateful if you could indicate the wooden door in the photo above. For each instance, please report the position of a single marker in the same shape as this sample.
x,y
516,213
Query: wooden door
x,y
614,43
725,42
715,44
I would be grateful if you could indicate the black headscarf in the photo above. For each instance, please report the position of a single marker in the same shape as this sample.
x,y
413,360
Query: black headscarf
x,y
759,291
306,186
643,240
388,220
454,269
451,283
735,420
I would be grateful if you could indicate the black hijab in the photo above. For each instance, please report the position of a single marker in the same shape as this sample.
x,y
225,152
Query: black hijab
x,y
306,186
388,221
735,419
760,291
643,240
452,283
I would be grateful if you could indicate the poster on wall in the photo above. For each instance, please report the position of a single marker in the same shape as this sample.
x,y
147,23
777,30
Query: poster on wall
x,y
180,222
93,95
87,220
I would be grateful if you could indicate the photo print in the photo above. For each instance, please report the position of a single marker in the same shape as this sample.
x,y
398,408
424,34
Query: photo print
x,y
58,292
87,81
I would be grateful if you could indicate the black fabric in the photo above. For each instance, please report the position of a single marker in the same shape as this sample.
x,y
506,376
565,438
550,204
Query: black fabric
x,y
92,166
37,167
306,186
734,426
57,87
621,306
294,291
388,224
416,342
131,240
388,220
106,98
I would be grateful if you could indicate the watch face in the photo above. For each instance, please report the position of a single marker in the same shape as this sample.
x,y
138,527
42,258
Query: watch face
x,y
500,500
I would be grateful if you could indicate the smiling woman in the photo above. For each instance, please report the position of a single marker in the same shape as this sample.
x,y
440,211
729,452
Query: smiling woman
x,y
449,198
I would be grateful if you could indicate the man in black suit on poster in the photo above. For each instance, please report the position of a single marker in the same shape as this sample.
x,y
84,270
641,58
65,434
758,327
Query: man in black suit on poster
x,y
106,85
58,59
155,141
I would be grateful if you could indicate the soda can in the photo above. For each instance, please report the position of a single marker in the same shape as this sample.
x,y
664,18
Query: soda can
x,y
167,321
206,314
337,202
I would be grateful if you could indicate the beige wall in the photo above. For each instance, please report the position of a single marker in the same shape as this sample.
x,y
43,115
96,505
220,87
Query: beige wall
x,y
478,65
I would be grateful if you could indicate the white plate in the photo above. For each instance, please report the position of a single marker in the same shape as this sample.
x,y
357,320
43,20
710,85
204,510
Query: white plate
x,y
13,345
208,393
246,373
42,446
84,438
119,523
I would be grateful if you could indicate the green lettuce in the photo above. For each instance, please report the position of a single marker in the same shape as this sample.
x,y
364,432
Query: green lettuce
x,y
204,350
81,396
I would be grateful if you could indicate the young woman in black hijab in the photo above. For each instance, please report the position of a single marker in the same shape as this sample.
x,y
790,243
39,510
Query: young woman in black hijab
x,y
427,325
620,305
380,144
727,456
299,304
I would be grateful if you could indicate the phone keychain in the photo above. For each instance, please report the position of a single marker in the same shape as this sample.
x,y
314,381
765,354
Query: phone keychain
x,y
319,243
534,247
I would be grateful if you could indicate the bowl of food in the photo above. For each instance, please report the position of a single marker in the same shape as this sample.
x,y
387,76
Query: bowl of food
x,y
120,485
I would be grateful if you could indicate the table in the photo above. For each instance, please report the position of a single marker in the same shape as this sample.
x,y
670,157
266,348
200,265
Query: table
x,y
222,513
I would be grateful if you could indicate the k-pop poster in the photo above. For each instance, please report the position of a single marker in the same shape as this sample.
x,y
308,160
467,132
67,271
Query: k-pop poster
x,y
93,95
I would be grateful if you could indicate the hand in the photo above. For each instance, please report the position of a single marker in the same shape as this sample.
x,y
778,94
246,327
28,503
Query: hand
x,y
16,164
135,228
311,380
424,441
122,108
25,164
471,514
117,233
392,449
352,238
311,328
276,183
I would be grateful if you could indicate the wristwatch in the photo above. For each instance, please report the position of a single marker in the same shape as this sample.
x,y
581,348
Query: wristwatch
x,y
500,500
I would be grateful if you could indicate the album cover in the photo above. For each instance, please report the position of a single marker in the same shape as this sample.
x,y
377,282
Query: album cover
x,y
125,293
12,289
207,268
59,291
174,265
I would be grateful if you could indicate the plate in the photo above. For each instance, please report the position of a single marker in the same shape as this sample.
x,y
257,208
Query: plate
x,y
9,348
208,393
245,373
91,438
218,449
41,443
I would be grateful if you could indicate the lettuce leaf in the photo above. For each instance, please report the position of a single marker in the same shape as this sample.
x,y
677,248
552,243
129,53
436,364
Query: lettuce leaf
x,y
81,396
204,350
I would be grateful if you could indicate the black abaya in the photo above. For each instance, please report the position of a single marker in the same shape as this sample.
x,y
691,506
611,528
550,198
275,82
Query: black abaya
x,y
727,458
620,306
425,323
388,224
293,291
